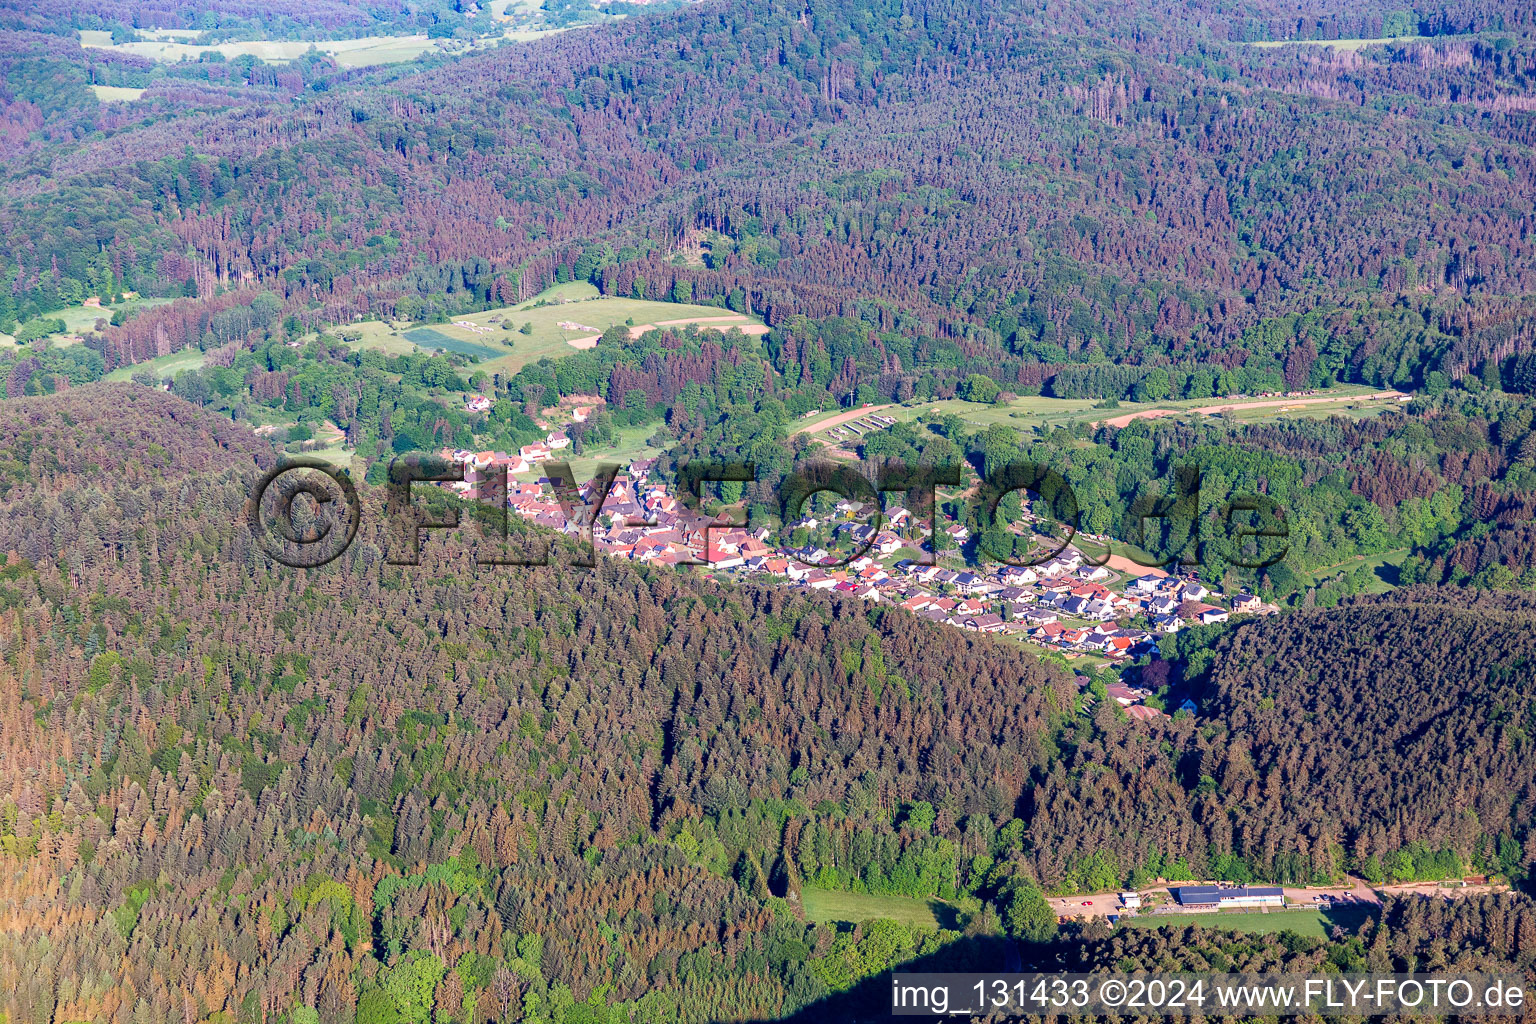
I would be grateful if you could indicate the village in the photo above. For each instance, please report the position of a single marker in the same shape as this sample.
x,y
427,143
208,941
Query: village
x,y
1069,603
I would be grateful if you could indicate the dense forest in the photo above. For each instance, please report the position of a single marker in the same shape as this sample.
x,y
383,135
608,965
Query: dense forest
x,y
388,792
1145,204
369,793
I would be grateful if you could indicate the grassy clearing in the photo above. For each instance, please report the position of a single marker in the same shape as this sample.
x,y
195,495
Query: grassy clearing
x,y
387,337
1309,922
570,291
632,445
1352,406
825,906
112,93
1340,44
551,340
353,52
428,337
161,366
336,455
1383,566
1030,411
80,319
1048,413
507,351
365,51
1096,550
810,423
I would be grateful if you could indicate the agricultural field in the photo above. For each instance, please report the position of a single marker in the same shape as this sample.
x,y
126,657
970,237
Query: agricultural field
x,y
353,52
432,338
828,906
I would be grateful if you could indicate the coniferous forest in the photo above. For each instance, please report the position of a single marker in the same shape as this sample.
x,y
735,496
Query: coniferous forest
x,y
382,791
1045,232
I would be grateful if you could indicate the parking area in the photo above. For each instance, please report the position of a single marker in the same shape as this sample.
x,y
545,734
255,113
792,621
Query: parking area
x,y
1098,905
1331,895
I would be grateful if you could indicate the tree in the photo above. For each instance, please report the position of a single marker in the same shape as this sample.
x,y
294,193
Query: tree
x,y
920,817
978,388
1026,914
192,386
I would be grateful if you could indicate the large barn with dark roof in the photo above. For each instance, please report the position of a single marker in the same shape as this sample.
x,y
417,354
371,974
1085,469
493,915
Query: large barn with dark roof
x,y
1198,896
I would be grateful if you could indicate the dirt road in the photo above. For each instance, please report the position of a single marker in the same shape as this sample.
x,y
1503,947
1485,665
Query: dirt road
x,y
1212,410
719,323
841,418
1121,563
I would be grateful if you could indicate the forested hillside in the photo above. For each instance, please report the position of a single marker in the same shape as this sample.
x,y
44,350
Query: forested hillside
x,y
269,784
374,789
234,792
1020,188
1074,200
1387,709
